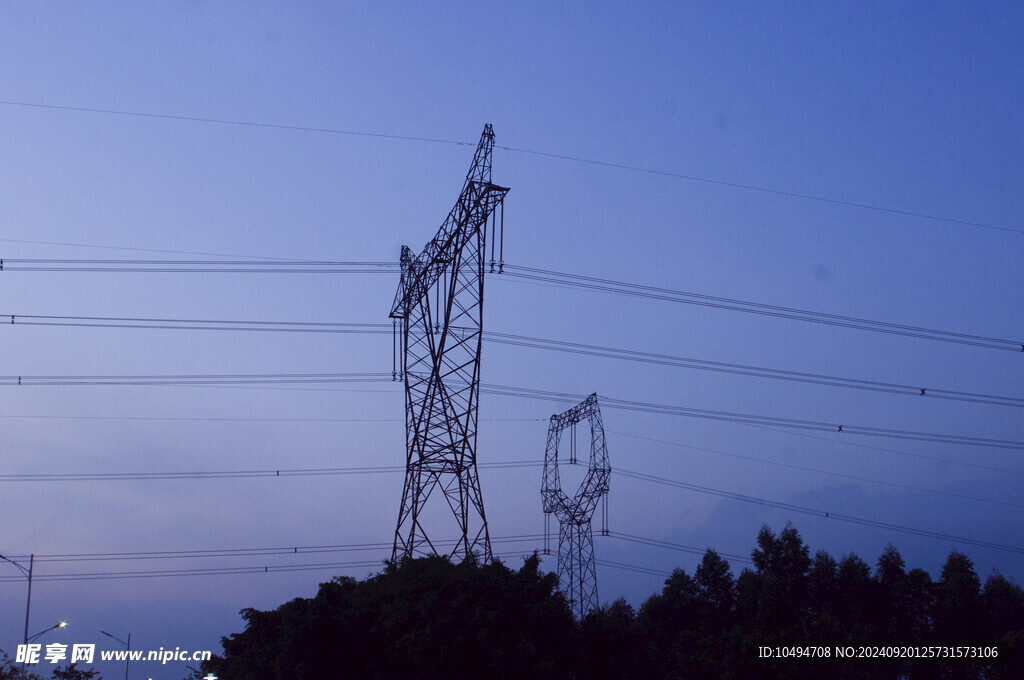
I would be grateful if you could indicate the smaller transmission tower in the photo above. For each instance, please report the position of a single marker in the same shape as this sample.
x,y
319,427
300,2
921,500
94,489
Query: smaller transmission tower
x,y
576,571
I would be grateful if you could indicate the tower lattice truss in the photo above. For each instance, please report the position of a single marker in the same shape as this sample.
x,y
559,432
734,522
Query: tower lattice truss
x,y
577,574
438,313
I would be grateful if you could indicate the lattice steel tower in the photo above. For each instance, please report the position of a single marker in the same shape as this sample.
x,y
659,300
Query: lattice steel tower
x,y
576,571
438,314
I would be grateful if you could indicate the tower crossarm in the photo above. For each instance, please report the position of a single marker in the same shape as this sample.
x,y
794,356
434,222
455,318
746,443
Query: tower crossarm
x,y
477,201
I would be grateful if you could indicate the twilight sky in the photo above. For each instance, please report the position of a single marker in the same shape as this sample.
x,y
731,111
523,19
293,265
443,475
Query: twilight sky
x,y
685,146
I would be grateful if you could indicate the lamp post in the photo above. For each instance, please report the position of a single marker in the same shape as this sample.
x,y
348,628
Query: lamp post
x,y
28,574
128,648
60,624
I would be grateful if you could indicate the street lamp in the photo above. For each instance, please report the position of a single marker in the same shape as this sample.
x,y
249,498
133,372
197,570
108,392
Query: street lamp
x,y
28,574
60,624
127,646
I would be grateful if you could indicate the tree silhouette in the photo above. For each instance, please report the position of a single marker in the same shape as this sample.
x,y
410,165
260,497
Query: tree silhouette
x,y
667,624
610,645
782,564
429,618
958,601
1003,602
73,673
857,599
10,670
824,598
420,618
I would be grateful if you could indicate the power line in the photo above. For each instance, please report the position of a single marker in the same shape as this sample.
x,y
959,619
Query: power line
x,y
791,507
747,370
674,546
767,190
285,550
189,419
195,379
203,554
749,419
343,471
259,552
239,552
225,121
142,250
532,152
509,391
214,571
232,474
198,324
199,266
529,274
632,567
220,571
775,311
921,456
309,472
248,552
515,340
267,569
840,475
31,416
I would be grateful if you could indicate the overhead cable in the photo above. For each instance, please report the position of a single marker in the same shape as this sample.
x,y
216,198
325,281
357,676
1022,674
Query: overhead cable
x,y
533,152
821,514
840,475
197,324
674,546
684,297
199,266
515,340
750,419
510,391
231,474
196,379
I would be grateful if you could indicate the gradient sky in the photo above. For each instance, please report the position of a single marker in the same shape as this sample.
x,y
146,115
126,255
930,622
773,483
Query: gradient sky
x,y
914,108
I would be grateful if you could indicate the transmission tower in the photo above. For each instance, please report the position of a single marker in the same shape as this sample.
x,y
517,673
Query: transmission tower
x,y
438,313
576,572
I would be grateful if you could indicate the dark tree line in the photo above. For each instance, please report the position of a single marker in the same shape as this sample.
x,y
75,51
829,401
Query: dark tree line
x,y
712,625
428,618
11,670
424,618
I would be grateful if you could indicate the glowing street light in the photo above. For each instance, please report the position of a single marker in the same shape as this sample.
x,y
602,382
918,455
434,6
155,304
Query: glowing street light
x,y
60,624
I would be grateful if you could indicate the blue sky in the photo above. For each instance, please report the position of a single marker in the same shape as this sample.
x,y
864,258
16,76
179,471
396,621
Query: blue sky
x,y
912,107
